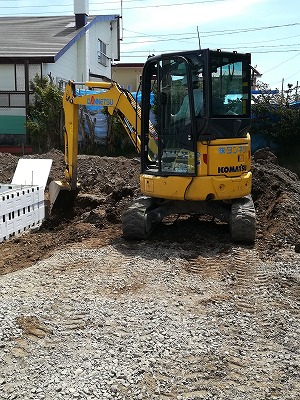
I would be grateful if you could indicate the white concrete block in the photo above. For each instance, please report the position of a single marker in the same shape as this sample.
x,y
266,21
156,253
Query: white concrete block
x,y
22,202
21,208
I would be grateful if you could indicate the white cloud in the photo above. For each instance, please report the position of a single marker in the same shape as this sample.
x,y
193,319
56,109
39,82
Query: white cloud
x,y
180,17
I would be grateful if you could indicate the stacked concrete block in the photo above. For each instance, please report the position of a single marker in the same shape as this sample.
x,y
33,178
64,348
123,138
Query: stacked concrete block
x,y
21,208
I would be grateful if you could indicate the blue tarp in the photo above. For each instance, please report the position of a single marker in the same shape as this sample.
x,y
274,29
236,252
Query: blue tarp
x,y
96,113
138,97
269,91
295,105
101,119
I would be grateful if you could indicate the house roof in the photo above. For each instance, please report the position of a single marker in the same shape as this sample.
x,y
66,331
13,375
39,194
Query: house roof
x,y
41,39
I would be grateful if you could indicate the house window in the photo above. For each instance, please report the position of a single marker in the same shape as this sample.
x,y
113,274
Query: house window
x,y
7,77
102,57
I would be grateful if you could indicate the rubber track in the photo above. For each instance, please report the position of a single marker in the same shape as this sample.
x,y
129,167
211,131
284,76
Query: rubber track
x,y
135,224
242,220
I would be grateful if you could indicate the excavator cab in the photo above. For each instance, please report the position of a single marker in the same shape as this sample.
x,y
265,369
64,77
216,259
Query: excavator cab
x,y
199,97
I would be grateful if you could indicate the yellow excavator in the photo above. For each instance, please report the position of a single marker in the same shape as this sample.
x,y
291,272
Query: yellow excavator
x,y
191,129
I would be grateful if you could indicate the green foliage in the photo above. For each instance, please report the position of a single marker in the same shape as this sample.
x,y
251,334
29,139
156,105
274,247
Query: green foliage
x,y
117,141
274,118
45,115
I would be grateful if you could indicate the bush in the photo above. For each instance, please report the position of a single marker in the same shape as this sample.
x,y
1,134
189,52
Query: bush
x,y
274,118
44,124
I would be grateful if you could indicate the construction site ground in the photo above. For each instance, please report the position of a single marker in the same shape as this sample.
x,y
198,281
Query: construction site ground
x,y
185,314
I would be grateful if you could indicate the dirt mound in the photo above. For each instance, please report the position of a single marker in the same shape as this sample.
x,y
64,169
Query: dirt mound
x,y
8,164
108,184
276,193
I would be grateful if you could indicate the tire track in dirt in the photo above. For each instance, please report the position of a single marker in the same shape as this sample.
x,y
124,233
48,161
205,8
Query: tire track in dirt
x,y
189,328
262,297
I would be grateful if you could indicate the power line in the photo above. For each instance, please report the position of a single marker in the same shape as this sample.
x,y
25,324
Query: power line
x,y
161,40
289,59
246,45
187,39
58,5
297,72
124,8
271,40
215,33
175,4
130,53
117,3
36,6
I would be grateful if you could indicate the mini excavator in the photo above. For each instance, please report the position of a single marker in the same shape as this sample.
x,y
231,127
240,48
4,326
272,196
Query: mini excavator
x,y
193,139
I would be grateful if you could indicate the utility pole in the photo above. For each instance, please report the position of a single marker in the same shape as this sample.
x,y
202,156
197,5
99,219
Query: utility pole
x,y
198,38
282,95
122,33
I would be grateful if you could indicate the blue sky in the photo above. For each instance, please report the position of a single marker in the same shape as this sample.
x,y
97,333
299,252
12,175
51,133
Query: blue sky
x,y
268,29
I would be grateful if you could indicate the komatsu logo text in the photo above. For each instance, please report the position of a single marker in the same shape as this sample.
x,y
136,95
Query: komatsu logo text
x,y
100,102
232,168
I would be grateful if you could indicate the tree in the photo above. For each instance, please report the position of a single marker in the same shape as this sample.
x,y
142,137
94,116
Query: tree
x,y
44,124
274,117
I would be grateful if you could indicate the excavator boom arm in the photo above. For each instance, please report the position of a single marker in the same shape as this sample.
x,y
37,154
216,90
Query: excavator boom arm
x,y
118,101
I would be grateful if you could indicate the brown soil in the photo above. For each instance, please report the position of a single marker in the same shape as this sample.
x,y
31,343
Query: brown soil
x,y
108,184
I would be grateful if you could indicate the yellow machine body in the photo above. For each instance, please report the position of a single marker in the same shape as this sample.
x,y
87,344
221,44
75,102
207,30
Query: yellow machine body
x,y
223,173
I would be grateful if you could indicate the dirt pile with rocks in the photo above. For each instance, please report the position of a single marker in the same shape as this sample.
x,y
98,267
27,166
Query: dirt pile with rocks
x,y
276,194
108,184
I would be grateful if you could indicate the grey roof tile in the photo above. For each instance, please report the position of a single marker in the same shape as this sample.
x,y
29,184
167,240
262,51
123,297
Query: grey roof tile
x,y
41,37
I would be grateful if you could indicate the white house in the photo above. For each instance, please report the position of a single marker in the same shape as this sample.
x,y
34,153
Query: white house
x,y
79,47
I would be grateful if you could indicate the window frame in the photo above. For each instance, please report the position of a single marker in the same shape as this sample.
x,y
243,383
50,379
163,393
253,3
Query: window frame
x,y
102,55
245,86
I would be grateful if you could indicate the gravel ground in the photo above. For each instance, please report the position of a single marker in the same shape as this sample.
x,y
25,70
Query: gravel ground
x,y
144,321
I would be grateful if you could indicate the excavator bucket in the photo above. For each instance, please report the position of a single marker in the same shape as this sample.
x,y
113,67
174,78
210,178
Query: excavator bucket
x,y
61,196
